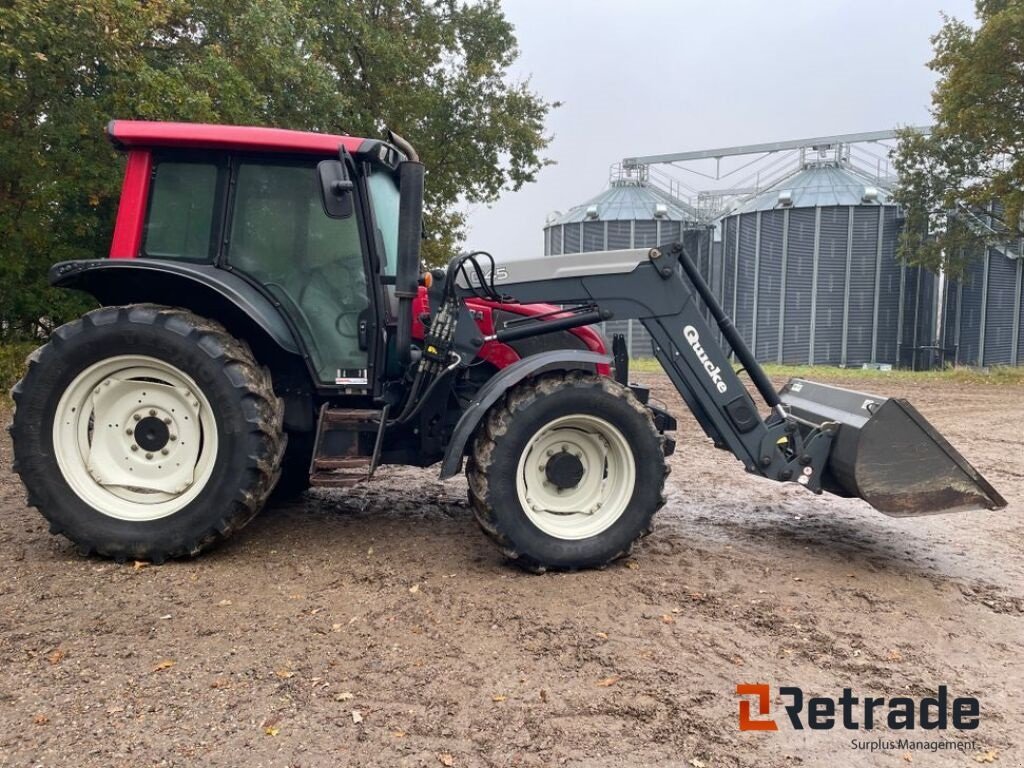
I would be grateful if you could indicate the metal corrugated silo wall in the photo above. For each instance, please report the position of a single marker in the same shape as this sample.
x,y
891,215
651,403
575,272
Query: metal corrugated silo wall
x,y
984,312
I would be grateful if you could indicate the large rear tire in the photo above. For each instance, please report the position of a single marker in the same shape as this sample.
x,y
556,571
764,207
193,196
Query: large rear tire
x,y
146,432
566,472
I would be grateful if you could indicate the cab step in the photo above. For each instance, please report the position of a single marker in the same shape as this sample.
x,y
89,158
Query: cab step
x,y
339,472
345,440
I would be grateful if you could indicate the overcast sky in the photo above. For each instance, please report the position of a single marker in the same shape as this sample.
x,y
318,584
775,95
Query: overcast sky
x,y
656,76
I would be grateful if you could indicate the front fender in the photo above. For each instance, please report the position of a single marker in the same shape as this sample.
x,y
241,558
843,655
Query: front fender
x,y
203,288
496,386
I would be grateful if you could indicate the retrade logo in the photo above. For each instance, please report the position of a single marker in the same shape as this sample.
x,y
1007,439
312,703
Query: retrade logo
x,y
714,372
761,691
854,713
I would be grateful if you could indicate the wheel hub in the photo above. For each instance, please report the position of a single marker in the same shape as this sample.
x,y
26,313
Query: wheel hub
x,y
575,476
564,469
152,434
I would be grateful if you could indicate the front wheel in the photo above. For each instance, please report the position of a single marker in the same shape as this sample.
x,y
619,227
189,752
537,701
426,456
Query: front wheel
x,y
146,432
567,471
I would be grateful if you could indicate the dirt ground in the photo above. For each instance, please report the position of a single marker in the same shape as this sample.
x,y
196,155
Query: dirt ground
x,y
377,627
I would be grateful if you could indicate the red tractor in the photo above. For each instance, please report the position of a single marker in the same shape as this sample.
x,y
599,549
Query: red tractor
x,y
265,323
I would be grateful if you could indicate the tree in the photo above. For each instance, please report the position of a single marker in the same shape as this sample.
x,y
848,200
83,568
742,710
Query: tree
x,y
962,186
435,71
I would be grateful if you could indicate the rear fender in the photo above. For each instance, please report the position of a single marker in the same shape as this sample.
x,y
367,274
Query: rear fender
x,y
489,393
203,288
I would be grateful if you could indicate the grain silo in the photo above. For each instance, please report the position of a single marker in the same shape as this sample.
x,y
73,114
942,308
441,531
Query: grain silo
x,y
983,312
632,212
810,276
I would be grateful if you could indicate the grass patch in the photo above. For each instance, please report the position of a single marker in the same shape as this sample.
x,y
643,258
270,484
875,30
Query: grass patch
x,y
1000,374
12,365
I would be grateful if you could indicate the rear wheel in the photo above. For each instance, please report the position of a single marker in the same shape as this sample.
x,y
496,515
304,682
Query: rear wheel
x,y
146,432
566,471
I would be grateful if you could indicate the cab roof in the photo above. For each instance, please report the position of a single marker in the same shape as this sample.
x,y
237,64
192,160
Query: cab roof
x,y
145,133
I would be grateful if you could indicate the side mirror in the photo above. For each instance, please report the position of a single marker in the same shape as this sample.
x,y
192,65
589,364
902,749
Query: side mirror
x,y
335,188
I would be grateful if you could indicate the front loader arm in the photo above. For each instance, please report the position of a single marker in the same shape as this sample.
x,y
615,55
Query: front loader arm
x,y
824,438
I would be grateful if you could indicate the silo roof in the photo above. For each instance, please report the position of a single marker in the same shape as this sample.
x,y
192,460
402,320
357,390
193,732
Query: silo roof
x,y
816,186
628,200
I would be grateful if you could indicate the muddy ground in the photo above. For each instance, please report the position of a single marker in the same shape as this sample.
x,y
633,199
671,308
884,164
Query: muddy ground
x,y
378,627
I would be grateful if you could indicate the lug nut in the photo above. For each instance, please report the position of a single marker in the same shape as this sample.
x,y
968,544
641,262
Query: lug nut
x,y
149,455
137,417
135,447
152,412
164,451
173,437
128,431
167,421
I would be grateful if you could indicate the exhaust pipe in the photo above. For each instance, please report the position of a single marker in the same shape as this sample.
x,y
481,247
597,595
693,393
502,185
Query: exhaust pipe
x,y
888,454
407,270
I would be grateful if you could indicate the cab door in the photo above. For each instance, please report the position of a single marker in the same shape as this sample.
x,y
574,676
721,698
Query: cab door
x,y
281,237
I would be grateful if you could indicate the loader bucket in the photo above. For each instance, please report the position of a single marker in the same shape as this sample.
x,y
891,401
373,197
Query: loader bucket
x,y
888,454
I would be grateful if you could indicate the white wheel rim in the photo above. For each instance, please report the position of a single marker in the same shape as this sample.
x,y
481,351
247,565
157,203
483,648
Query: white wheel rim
x,y
135,438
602,494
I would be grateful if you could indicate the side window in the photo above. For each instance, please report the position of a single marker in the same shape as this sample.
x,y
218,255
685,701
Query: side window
x,y
281,237
182,210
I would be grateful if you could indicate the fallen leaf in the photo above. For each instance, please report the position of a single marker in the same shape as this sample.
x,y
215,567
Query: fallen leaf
x,y
990,756
602,635
220,682
667,618
40,55
369,551
138,565
543,694
165,664
908,757
446,759
224,602
271,730
56,656
414,588
608,681
398,734
40,719
633,565
894,655
284,673
698,763
357,716
497,699
797,578
343,696
115,710
335,627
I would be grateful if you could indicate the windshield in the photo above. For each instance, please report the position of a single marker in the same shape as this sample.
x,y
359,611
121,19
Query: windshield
x,y
384,196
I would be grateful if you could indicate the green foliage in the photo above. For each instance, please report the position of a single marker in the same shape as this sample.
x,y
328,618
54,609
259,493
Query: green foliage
x,y
12,365
434,71
975,156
